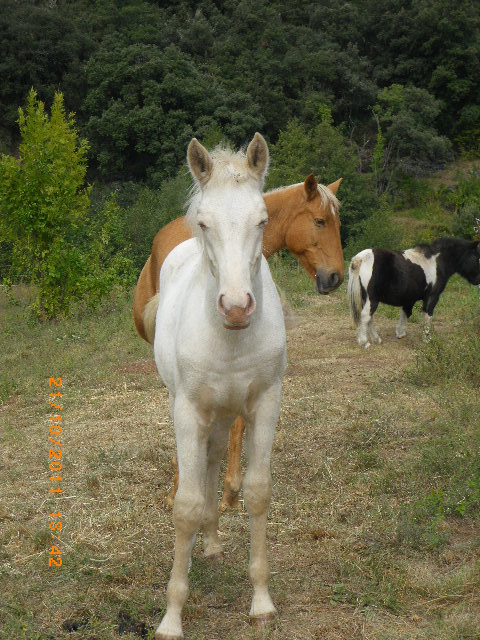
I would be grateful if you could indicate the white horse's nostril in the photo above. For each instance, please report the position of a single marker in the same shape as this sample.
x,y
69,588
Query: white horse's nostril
x,y
220,306
250,308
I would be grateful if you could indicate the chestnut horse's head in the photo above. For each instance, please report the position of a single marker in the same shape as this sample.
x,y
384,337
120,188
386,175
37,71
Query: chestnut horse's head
x,y
313,234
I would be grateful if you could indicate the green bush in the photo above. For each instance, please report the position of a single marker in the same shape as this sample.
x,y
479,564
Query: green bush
x,y
44,206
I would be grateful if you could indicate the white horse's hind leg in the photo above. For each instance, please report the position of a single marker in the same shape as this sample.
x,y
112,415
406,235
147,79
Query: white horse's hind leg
x,y
187,513
257,491
401,329
217,445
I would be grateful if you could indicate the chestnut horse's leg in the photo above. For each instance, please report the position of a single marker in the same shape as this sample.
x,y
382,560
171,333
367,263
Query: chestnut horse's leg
x,y
233,476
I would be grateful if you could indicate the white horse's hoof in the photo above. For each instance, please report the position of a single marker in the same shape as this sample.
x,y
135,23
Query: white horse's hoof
x,y
263,620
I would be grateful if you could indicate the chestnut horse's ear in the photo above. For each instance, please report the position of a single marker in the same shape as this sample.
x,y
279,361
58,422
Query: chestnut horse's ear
x,y
258,156
334,186
311,186
199,162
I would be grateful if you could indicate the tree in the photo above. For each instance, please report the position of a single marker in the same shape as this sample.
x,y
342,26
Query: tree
x,y
406,117
325,151
44,206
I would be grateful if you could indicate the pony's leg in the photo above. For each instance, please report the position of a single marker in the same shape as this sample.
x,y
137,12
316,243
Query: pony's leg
x,y
401,328
187,512
257,491
372,332
427,323
216,448
364,323
233,476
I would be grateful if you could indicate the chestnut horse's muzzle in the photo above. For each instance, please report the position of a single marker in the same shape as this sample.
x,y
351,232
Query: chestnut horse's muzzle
x,y
327,282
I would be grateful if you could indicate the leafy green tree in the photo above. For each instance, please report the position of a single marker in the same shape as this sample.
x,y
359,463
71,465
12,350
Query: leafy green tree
x,y
407,115
325,151
44,212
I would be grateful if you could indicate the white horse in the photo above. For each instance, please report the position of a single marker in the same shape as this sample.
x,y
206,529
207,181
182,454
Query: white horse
x,y
220,350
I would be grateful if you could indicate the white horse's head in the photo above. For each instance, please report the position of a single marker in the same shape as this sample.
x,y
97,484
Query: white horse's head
x,y
228,214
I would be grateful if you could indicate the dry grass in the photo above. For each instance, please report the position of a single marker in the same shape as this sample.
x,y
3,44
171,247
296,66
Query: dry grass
x,y
349,457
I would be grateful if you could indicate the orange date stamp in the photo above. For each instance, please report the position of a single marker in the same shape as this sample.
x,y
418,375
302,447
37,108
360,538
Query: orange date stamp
x,y
55,465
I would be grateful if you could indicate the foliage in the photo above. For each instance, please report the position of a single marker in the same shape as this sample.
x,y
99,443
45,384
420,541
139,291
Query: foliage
x,y
44,212
144,77
407,114
324,151
463,201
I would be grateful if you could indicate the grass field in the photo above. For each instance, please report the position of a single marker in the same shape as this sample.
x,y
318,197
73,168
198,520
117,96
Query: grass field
x,y
374,525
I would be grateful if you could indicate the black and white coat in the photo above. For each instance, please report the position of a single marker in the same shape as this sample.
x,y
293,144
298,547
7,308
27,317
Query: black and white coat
x,y
401,278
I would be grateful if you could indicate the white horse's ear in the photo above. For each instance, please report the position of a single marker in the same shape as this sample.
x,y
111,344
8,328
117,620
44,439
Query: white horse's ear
x,y
258,156
199,162
334,186
311,186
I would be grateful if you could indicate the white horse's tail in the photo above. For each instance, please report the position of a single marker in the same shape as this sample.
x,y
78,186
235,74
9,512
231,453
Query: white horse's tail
x,y
354,289
149,318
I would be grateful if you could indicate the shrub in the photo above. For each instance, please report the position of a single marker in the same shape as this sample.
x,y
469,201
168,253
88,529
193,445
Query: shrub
x,y
44,203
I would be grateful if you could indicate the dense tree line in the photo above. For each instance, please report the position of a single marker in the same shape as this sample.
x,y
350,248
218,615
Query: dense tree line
x,y
372,92
144,77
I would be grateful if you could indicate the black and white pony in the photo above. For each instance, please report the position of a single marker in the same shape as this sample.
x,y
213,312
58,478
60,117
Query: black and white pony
x,y
401,278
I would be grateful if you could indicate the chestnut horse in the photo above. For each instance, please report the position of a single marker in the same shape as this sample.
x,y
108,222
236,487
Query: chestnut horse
x,y
302,218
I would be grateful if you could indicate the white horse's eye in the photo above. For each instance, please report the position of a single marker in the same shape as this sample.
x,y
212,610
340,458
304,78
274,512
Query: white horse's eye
x,y
202,226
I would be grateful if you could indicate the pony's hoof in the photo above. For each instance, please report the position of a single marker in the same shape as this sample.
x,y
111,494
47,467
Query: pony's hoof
x,y
366,345
162,636
260,622
400,335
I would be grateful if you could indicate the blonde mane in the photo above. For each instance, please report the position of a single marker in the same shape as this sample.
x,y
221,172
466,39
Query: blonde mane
x,y
326,196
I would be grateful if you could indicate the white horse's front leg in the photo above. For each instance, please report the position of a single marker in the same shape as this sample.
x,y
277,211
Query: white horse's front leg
x,y
257,490
217,445
187,513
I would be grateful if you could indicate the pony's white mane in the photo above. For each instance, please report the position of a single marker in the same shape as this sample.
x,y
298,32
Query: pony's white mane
x,y
228,167
327,197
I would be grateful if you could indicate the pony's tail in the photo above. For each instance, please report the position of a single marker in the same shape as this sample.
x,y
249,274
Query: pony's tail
x,y
149,318
354,290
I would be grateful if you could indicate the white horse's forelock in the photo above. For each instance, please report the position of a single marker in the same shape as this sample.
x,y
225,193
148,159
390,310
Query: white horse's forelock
x,y
230,168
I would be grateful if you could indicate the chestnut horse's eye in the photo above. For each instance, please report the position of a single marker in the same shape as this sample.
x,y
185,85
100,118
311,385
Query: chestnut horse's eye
x,y
319,222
